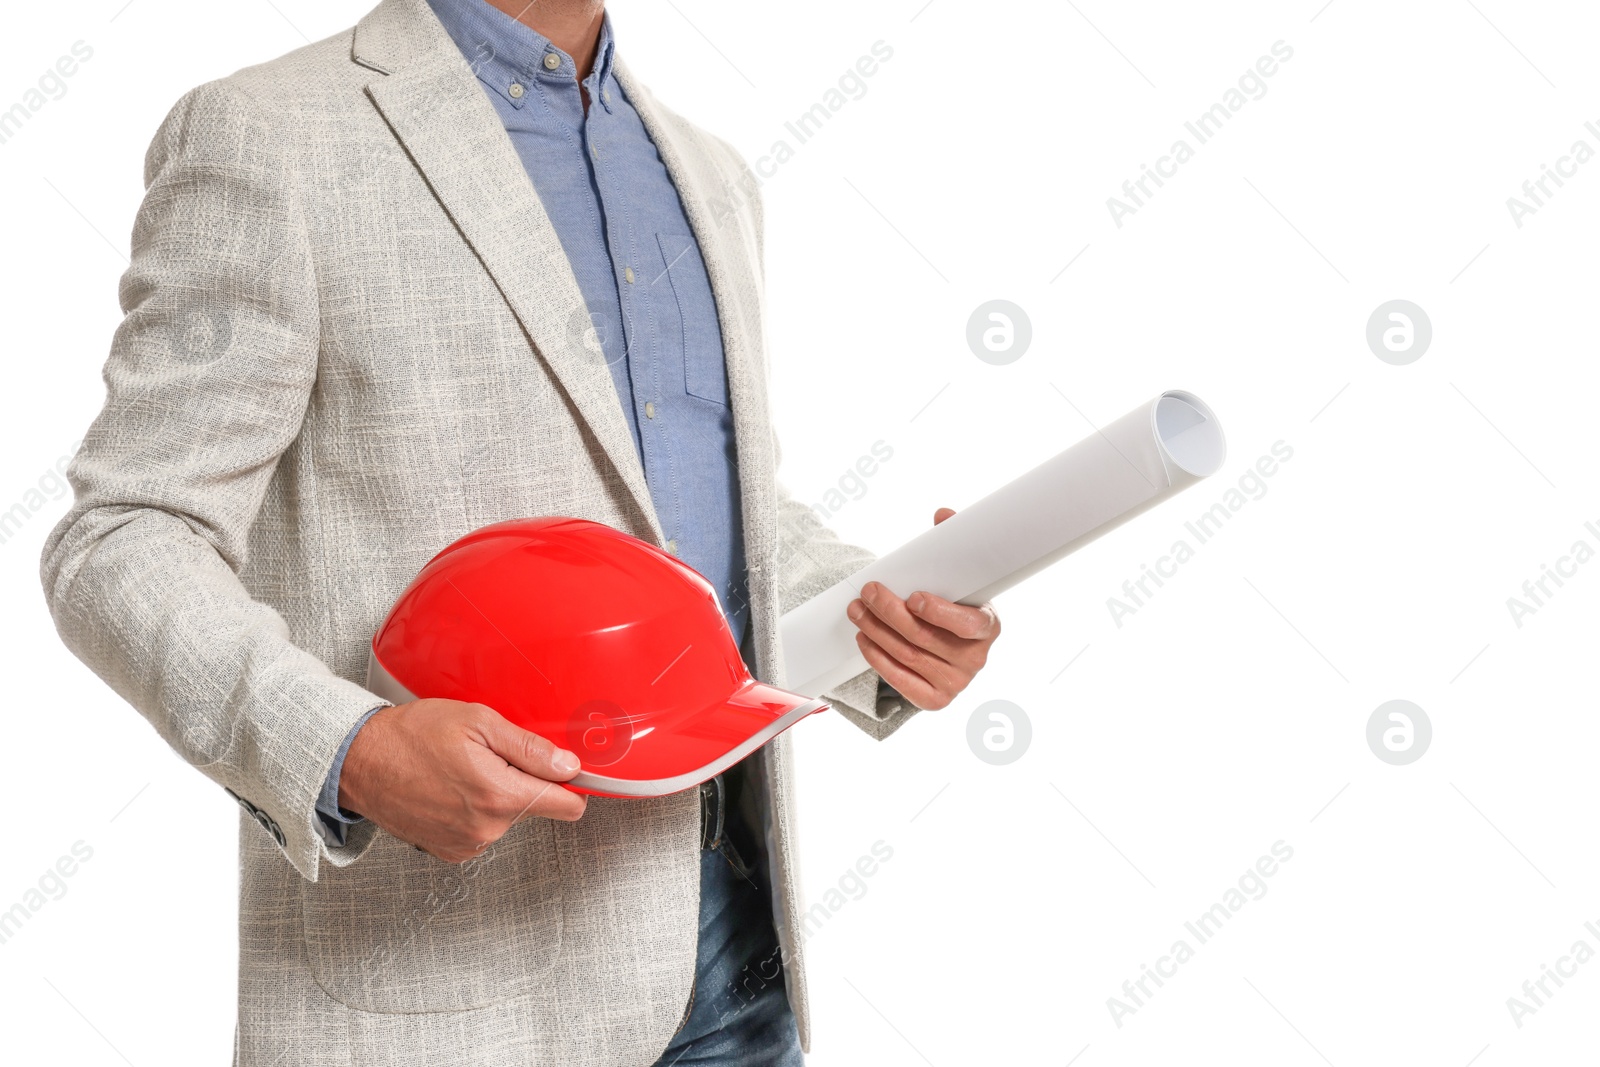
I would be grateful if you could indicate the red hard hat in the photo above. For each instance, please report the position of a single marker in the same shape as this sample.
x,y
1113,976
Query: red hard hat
x,y
597,641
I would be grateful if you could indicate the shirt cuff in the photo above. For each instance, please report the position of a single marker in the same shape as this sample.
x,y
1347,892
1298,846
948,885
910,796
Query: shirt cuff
x,y
334,818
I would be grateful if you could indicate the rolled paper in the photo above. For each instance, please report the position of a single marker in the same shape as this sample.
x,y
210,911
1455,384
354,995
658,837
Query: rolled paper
x,y
1153,452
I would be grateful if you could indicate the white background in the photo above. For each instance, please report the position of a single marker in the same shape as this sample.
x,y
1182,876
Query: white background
x,y
1227,714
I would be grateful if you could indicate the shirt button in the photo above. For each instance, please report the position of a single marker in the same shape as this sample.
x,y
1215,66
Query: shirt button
x,y
515,90
672,546
605,96
627,272
551,61
649,410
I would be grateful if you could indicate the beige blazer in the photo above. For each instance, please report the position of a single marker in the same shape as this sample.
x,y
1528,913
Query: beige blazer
x,y
352,336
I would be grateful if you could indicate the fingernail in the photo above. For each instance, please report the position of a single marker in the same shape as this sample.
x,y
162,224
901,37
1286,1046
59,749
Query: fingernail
x,y
915,601
565,762
856,610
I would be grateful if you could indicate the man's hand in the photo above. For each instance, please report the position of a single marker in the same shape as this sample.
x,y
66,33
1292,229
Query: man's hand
x,y
452,778
927,647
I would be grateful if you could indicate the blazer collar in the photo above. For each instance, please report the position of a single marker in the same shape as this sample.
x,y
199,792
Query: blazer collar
x,y
433,103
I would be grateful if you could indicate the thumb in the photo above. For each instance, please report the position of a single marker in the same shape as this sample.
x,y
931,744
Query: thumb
x,y
942,514
528,752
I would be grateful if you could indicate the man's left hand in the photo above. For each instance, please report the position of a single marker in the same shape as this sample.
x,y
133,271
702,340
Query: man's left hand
x,y
927,647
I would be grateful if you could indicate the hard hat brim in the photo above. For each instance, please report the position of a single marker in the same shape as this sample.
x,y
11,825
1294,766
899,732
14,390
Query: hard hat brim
x,y
660,762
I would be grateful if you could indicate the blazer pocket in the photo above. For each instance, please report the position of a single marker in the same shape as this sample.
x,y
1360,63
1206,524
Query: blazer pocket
x,y
704,373
401,931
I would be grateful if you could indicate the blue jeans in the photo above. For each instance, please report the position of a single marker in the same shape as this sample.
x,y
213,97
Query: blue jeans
x,y
739,1015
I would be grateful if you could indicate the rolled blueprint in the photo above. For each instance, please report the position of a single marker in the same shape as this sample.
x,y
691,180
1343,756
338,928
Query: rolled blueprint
x,y
1158,449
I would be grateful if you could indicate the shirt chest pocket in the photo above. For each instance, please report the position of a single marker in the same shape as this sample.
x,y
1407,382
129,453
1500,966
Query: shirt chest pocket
x,y
704,373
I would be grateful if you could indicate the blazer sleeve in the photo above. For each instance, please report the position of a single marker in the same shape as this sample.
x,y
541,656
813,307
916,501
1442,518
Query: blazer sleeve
x,y
206,387
811,558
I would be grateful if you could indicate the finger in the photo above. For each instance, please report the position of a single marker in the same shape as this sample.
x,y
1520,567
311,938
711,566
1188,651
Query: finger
x,y
908,683
539,799
938,671
880,601
971,623
942,514
526,751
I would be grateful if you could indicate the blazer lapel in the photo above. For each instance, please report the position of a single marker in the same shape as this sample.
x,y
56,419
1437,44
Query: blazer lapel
x,y
436,108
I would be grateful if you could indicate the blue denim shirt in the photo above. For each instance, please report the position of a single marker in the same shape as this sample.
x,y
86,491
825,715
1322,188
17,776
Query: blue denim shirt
x,y
637,263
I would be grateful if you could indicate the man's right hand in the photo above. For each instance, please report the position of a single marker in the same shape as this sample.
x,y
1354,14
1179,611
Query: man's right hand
x,y
452,778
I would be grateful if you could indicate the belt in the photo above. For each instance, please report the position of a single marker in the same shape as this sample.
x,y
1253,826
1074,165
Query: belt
x,y
719,832
713,812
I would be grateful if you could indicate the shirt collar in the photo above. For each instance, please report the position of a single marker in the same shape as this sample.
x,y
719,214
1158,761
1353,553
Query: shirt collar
x,y
504,53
